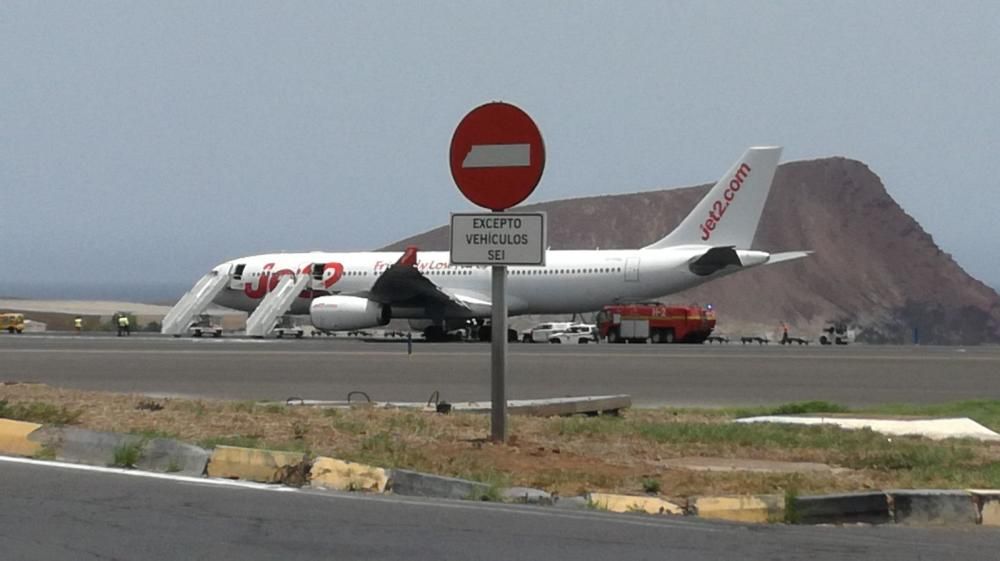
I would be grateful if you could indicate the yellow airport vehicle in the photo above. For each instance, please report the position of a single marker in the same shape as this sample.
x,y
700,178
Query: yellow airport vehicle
x,y
13,323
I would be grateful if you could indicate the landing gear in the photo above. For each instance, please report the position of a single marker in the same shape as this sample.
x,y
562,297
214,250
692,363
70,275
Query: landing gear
x,y
486,334
435,334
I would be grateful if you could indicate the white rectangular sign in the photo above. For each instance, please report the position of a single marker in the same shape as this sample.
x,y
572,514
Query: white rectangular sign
x,y
498,238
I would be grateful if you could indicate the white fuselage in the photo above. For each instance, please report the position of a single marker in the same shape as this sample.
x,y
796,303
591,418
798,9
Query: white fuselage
x,y
570,282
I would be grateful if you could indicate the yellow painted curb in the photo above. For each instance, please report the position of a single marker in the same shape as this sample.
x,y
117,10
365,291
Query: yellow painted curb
x,y
331,473
630,503
14,438
250,464
745,508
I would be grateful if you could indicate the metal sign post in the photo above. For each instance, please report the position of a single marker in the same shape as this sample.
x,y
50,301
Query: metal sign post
x,y
498,356
497,157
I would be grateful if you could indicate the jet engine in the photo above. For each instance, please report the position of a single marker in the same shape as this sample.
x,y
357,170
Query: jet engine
x,y
342,313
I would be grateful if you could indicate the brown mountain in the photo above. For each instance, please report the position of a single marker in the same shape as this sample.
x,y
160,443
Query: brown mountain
x,y
874,266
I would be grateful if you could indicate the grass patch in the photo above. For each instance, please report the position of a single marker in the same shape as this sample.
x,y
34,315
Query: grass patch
x,y
651,485
495,480
46,452
149,434
792,515
804,407
239,440
39,412
128,454
388,450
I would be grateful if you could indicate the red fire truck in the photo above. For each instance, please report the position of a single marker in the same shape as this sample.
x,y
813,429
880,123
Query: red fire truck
x,y
655,322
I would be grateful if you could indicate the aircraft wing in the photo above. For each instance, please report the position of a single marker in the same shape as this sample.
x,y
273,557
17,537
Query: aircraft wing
x,y
403,285
787,256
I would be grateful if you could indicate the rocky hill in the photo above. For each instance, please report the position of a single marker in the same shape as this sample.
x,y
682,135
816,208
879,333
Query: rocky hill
x,y
874,266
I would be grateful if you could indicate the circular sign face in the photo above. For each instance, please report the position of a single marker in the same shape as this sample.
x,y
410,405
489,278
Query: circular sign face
x,y
497,156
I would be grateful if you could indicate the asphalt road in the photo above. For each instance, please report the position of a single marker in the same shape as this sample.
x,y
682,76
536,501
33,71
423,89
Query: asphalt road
x,y
52,513
652,374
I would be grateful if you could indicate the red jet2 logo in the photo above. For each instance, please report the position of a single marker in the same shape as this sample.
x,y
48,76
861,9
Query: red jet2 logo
x,y
719,207
268,280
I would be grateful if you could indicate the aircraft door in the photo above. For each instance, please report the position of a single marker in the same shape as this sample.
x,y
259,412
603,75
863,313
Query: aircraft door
x,y
632,269
236,280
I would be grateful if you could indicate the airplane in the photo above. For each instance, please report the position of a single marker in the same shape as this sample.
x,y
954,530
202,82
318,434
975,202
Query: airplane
x,y
361,290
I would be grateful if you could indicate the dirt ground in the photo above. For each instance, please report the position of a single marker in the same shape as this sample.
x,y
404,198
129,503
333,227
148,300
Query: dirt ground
x,y
633,454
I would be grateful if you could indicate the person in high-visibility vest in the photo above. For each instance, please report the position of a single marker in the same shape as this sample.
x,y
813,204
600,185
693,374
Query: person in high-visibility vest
x,y
78,324
122,324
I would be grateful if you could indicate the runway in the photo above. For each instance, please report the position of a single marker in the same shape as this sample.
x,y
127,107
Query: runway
x,y
655,375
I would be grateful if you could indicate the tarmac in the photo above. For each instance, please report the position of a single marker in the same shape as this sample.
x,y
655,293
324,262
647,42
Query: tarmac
x,y
654,375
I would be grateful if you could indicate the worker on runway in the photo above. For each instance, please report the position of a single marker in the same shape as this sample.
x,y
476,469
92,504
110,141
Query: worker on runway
x,y
784,334
78,324
123,326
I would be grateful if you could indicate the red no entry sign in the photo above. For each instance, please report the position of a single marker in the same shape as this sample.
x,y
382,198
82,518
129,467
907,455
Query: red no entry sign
x,y
497,156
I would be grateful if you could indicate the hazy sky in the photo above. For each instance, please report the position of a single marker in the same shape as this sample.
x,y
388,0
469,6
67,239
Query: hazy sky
x,y
152,140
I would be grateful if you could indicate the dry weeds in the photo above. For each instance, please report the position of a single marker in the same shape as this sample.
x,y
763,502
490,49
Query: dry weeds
x,y
565,456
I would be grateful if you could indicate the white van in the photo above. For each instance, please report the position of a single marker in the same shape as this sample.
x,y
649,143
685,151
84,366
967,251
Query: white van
x,y
541,332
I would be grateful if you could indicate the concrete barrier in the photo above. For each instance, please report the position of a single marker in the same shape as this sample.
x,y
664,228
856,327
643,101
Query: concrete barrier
x,y
740,508
527,495
930,506
14,438
412,483
82,446
172,456
331,473
634,503
249,464
846,508
988,502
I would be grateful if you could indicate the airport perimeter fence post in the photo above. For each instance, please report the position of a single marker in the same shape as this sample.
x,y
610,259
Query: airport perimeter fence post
x,y
498,362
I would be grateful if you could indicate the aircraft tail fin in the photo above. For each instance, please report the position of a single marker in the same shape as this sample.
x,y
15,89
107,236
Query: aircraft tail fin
x,y
729,213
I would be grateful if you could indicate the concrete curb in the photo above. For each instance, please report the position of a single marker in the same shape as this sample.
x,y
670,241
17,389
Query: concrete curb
x,y
14,438
633,503
988,503
69,444
251,464
416,484
846,508
81,446
331,473
739,508
933,507
173,456
527,495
